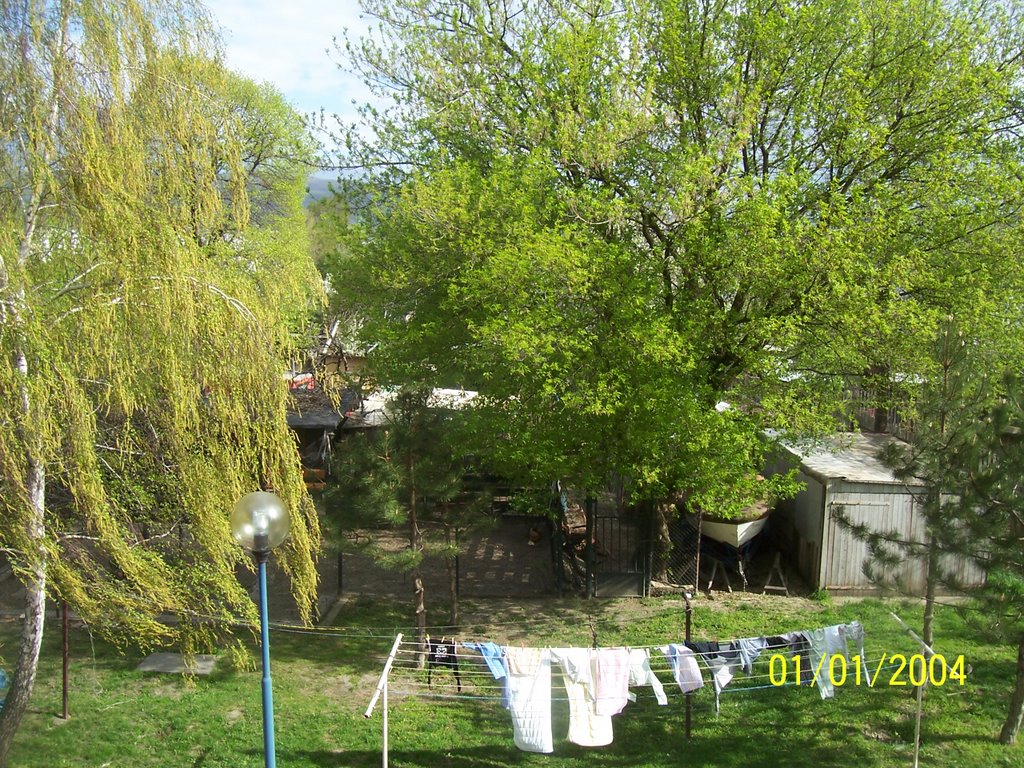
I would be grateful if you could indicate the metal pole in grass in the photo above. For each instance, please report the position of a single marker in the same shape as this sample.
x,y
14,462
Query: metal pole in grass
x,y
689,701
259,523
928,653
384,726
382,688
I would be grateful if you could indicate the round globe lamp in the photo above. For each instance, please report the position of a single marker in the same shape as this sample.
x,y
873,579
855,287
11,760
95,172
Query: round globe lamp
x,y
259,523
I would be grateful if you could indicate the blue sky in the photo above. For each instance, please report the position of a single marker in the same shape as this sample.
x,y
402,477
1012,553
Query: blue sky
x,y
285,43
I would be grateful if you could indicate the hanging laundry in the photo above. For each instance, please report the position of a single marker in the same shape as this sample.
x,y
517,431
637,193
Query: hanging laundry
x,y
835,641
684,666
612,680
723,662
854,632
795,644
441,653
832,641
529,697
749,648
586,727
494,657
640,673
819,662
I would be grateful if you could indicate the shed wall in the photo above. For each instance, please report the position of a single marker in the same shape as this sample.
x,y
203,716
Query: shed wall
x,y
884,508
798,521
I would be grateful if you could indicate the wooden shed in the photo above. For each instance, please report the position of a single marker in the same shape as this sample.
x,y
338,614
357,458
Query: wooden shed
x,y
846,473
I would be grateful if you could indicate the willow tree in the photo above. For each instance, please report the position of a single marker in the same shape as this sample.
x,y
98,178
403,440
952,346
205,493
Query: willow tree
x,y
610,216
142,329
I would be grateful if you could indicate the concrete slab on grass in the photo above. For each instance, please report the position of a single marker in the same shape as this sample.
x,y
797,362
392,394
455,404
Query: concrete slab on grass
x,y
174,663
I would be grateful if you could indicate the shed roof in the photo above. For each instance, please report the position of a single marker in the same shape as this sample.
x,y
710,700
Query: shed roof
x,y
851,456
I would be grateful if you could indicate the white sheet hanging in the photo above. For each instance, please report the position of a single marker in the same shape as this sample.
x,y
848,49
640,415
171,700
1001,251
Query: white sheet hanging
x,y
529,697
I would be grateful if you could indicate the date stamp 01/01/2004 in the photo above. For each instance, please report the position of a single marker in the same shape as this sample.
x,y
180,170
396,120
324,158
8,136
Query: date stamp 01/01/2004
x,y
890,669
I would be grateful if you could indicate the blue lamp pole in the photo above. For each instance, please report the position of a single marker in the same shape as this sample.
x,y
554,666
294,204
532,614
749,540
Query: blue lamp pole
x,y
259,523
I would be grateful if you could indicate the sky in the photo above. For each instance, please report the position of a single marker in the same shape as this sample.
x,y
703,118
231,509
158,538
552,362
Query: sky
x,y
286,43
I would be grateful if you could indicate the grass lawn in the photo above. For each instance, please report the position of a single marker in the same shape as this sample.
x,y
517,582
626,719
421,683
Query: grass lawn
x,y
323,681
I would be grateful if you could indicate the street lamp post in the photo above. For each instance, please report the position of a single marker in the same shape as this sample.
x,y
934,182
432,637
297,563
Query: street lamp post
x,y
259,523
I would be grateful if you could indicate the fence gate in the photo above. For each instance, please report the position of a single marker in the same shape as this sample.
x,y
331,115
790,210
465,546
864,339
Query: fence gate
x,y
675,550
621,562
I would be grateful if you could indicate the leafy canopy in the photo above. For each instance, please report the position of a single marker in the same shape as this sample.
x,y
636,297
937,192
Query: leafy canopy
x,y
609,217
153,278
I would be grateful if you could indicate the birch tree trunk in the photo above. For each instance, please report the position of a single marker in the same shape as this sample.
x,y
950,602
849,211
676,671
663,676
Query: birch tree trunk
x,y
24,678
13,307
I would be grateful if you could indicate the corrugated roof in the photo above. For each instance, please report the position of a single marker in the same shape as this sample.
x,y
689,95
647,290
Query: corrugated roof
x,y
849,456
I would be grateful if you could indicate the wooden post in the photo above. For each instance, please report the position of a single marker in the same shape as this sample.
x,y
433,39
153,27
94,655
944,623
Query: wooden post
x,y
64,695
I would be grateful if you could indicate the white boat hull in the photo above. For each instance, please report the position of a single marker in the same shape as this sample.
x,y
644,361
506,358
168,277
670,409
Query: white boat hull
x,y
734,533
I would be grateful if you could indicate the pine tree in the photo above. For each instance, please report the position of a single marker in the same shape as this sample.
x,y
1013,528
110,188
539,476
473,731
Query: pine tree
x,y
407,474
983,520
964,465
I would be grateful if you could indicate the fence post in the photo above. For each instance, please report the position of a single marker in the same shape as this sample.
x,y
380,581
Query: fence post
x,y
689,701
590,587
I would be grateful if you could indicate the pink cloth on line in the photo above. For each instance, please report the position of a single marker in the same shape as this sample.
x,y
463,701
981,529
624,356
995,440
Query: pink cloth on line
x,y
612,680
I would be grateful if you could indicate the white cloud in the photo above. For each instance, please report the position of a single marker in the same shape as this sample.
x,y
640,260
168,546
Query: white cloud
x,y
287,44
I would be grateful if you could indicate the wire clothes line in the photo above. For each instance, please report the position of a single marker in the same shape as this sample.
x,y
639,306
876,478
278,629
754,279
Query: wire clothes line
x,y
407,666
474,675
670,691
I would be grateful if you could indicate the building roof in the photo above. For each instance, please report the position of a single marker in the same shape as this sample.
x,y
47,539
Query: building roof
x,y
311,408
374,409
852,457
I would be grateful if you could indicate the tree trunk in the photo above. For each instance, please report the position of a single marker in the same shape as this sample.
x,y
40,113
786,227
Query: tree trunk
x,y
421,619
416,545
453,579
1015,717
24,677
931,576
663,511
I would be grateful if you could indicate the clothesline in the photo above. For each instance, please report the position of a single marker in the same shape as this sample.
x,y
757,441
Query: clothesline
x,y
480,671
430,693
415,650
597,680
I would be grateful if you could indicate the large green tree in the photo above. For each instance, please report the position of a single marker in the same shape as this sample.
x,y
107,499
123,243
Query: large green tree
x,y
610,216
144,325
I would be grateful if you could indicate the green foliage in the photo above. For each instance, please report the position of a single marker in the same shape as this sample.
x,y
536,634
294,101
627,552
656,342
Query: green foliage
x,y
153,279
608,218
964,464
408,474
